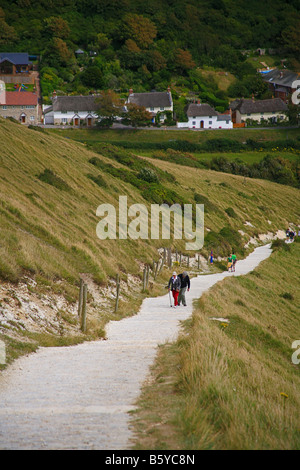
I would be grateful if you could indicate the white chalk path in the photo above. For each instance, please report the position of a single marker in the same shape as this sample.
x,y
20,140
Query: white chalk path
x,y
79,397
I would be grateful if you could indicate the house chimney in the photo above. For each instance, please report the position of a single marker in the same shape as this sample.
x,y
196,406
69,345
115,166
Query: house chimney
x,y
169,89
281,75
253,97
130,91
54,95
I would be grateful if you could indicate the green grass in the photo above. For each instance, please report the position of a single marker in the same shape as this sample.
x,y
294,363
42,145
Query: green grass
x,y
146,135
11,87
50,191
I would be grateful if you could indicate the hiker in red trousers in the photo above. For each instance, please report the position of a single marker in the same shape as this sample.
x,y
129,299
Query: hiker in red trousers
x,y
174,286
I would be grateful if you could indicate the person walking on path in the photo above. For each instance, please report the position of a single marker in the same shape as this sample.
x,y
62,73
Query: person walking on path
x,y
229,263
234,259
185,285
174,287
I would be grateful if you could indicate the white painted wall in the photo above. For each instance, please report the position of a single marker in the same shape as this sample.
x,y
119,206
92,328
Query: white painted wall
x,y
209,122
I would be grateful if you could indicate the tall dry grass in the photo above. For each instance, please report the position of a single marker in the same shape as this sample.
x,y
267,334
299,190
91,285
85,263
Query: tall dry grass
x,y
233,386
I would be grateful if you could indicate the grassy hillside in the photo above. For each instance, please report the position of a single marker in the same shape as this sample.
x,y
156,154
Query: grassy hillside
x,y
50,190
231,386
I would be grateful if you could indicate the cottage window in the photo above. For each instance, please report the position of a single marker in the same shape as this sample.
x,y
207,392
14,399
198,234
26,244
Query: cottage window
x,y
4,107
194,123
151,108
210,117
210,122
249,114
31,118
162,108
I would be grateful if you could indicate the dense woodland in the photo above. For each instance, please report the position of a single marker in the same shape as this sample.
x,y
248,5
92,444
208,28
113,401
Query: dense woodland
x,y
150,45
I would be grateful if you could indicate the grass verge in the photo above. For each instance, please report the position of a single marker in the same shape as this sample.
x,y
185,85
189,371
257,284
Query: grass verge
x,y
230,386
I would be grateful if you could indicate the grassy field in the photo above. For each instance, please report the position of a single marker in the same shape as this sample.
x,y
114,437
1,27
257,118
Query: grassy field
x,y
230,386
50,192
223,79
140,138
161,135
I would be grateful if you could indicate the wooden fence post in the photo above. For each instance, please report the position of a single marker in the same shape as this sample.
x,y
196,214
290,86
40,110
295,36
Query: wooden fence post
x,y
156,269
170,258
117,292
80,298
83,319
144,280
161,266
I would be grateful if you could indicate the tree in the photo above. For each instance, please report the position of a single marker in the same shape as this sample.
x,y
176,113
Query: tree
x,y
155,60
57,27
291,38
7,33
140,29
110,108
183,60
92,77
137,115
293,112
57,54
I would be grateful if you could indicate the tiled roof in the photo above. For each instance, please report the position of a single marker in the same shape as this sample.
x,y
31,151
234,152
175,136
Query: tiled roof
x,y
154,99
224,117
17,58
20,98
281,77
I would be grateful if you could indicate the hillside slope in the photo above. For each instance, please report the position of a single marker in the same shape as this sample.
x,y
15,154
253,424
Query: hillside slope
x,y
50,191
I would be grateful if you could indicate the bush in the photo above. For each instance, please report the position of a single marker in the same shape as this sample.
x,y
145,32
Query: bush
x,y
148,175
208,205
230,212
287,296
51,178
280,245
98,180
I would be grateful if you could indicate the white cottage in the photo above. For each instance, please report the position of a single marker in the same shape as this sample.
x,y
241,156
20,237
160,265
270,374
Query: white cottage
x,y
203,116
72,110
155,102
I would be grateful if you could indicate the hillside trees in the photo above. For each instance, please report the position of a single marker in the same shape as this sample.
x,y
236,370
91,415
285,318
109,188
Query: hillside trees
x,y
139,29
153,43
7,33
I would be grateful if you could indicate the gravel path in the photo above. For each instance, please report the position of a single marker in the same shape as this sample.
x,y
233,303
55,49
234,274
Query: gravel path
x,y
79,397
